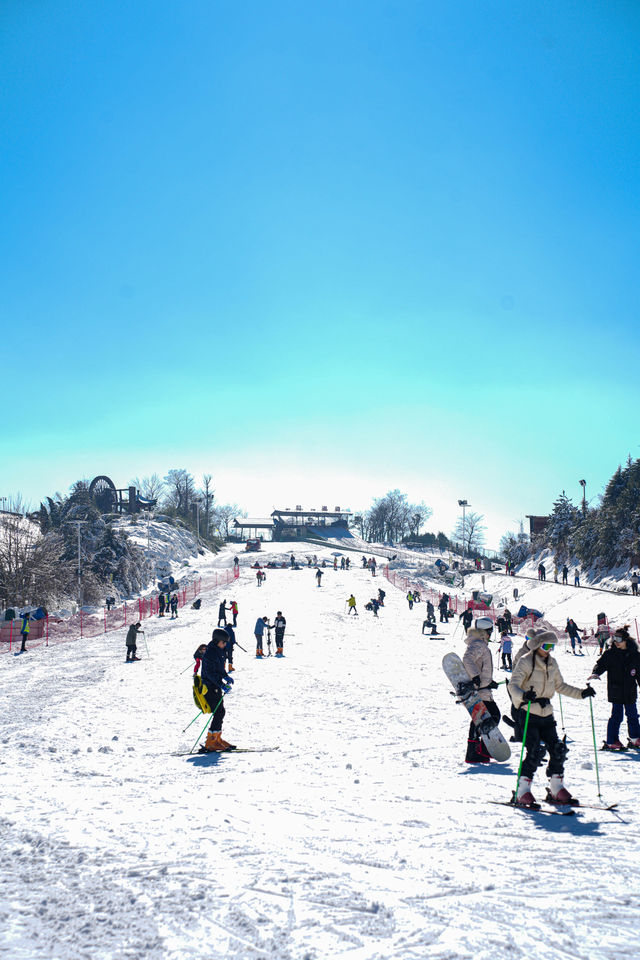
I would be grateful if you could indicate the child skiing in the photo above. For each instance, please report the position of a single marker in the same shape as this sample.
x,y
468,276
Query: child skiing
x,y
506,644
351,603
535,679
621,663
217,682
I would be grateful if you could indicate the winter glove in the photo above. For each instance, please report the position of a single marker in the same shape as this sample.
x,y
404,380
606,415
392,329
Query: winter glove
x,y
229,680
588,692
493,685
542,701
225,687
529,696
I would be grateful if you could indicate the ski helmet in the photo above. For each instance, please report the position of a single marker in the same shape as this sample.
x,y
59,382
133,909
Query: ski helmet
x,y
484,623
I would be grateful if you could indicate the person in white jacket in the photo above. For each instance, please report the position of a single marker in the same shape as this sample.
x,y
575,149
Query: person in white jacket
x,y
535,679
478,663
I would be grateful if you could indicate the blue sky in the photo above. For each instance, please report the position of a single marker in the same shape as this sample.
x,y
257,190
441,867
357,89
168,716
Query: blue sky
x,y
321,250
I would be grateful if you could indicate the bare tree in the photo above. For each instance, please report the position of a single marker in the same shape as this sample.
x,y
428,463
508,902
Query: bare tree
x,y
470,532
223,515
181,491
151,488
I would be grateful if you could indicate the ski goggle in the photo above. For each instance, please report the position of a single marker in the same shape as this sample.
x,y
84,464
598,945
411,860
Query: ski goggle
x,y
547,646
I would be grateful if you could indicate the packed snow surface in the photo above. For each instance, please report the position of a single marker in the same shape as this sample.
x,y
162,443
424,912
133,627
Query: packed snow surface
x,y
363,836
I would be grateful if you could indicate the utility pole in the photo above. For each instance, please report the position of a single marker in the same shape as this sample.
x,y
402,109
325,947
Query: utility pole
x,y
464,504
78,524
583,484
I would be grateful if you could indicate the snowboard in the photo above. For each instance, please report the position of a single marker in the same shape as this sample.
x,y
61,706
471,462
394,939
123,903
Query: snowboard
x,y
487,727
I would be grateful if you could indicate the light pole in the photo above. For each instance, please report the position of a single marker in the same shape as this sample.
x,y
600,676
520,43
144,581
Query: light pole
x,y
78,524
583,484
464,504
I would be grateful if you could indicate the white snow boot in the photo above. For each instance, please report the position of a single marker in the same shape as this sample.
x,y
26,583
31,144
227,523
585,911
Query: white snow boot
x,y
524,797
557,793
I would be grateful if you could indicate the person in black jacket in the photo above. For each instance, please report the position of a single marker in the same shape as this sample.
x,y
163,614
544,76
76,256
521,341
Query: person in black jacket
x,y
621,663
467,619
280,623
217,682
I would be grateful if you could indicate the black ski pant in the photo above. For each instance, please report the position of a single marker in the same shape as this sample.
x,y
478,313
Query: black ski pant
x,y
216,701
542,735
131,651
280,639
506,661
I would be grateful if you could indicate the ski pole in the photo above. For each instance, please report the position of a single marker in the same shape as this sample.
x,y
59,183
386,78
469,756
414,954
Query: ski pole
x,y
595,749
192,721
201,732
524,740
242,648
146,644
186,668
562,715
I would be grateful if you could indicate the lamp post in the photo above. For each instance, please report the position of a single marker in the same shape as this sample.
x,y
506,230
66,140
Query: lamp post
x,y
583,484
464,504
78,524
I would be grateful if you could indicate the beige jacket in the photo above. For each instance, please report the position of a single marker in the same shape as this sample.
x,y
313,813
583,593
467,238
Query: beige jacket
x,y
478,661
545,678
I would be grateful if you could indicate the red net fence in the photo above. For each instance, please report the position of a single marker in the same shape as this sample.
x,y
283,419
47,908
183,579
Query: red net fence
x,y
50,630
592,637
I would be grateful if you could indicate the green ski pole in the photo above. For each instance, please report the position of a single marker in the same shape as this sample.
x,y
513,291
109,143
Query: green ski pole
x,y
595,749
192,721
205,726
524,740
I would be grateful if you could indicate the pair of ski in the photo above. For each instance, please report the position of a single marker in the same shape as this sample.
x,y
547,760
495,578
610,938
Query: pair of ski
x,y
552,809
202,752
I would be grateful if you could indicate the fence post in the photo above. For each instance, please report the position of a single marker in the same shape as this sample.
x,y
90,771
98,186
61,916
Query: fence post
x,y
47,643
125,614
11,633
105,619
80,621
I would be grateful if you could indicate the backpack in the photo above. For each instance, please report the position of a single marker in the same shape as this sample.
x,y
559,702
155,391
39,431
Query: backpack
x,y
199,695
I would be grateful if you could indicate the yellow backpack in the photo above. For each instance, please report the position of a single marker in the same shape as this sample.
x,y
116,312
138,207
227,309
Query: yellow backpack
x,y
199,695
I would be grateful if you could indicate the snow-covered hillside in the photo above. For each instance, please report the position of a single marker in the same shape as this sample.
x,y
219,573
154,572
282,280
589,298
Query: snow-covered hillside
x,y
364,836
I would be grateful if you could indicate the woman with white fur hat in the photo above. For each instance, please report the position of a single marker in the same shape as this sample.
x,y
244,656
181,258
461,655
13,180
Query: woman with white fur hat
x,y
535,679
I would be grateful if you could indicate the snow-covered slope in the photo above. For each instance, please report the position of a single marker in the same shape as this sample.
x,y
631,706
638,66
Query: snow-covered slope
x,y
364,836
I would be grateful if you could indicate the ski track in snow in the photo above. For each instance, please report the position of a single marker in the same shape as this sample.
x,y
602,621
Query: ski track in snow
x,y
365,836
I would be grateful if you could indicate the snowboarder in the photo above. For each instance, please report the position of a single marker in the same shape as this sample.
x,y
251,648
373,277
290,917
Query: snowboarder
x,y
280,625
131,639
319,576
218,682
478,663
222,613
621,663
258,631
467,619
535,679
351,603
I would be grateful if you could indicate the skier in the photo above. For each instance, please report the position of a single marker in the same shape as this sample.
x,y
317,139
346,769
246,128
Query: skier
x,y
231,642
258,631
351,603
132,634
410,600
431,613
443,607
565,574
217,682
319,576
382,595
535,679
222,613
467,619
161,604
174,606
24,630
634,583
373,566
234,612
505,649
574,634
478,663
280,625
621,663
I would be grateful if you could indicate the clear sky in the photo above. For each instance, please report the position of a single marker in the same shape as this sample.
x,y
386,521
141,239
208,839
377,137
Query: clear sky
x,y
320,250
